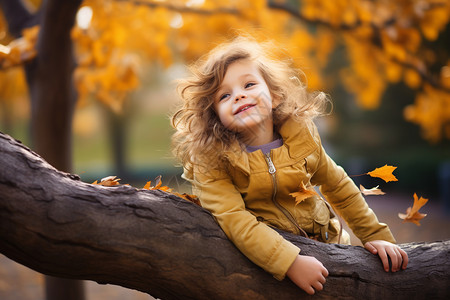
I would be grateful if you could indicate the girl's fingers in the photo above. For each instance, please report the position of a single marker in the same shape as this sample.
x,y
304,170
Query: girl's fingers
x,y
393,256
318,286
386,251
384,260
400,258
404,258
309,290
324,272
322,280
371,248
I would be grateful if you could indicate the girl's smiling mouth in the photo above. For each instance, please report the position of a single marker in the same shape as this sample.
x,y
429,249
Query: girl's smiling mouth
x,y
243,108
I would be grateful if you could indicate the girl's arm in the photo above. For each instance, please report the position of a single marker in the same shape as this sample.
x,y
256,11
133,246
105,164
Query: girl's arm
x,y
260,243
342,193
345,196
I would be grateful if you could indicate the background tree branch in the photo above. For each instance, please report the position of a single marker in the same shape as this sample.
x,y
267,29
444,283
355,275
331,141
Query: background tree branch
x,y
18,16
183,8
411,61
160,244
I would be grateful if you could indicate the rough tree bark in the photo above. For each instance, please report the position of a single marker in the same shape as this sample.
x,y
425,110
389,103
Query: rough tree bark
x,y
160,244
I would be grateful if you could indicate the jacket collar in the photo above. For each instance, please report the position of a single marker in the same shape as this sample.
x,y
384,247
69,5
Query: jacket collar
x,y
300,139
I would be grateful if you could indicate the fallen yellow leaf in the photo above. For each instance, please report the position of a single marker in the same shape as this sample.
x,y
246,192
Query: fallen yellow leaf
x,y
158,185
147,186
108,181
191,198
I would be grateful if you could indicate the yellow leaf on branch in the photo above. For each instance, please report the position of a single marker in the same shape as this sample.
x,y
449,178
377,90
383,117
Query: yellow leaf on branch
x,y
114,181
412,214
384,173
158,185
108,181
192,198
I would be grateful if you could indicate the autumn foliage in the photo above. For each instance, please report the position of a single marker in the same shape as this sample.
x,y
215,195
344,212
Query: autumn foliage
x,y
386,42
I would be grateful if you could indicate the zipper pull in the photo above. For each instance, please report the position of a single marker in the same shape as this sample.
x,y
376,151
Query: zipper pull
x,y
272,169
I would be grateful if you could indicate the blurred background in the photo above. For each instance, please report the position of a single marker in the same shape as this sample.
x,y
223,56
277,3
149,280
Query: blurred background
x,y
90,86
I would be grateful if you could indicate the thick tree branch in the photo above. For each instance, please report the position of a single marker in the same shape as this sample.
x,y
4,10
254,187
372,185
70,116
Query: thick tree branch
x,y
160,244
183,8
295,12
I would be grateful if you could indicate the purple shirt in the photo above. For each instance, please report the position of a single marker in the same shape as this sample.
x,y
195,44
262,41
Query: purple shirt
x,y
266,147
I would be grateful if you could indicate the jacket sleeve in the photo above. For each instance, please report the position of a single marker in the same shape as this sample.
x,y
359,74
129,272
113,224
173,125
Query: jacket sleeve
x,y
260,243
342,193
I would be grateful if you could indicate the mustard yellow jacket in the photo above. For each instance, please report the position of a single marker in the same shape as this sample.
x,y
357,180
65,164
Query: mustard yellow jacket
x,y
251,195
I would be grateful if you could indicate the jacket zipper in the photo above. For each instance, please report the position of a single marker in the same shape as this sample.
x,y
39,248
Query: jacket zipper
x,y
287,214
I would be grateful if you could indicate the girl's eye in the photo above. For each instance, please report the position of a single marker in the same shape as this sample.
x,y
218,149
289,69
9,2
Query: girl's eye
x,y
250,84
223,96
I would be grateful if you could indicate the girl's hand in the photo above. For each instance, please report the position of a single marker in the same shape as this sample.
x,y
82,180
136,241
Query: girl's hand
x,y
384,249
307,273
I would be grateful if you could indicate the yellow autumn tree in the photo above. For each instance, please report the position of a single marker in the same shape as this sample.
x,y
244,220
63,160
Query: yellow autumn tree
x,y
386,42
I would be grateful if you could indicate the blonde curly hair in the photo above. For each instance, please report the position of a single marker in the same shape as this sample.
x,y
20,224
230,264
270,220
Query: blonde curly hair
x,y
200,137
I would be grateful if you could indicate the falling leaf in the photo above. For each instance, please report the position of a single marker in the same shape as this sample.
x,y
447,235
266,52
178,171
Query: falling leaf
x,y
108,181
372,191
303,193
384,173
412,214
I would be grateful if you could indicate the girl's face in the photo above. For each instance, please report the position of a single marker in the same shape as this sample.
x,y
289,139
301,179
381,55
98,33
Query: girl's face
x,y
244,104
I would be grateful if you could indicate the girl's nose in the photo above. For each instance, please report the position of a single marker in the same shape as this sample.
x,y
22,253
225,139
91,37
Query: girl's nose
x,y
240,97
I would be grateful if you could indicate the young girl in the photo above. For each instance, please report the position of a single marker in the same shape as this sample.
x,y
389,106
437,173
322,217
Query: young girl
x,y
246,139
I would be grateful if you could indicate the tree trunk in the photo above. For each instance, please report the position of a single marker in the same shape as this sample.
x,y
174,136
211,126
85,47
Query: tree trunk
x,y
117,137
49,78
157,243
53,97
